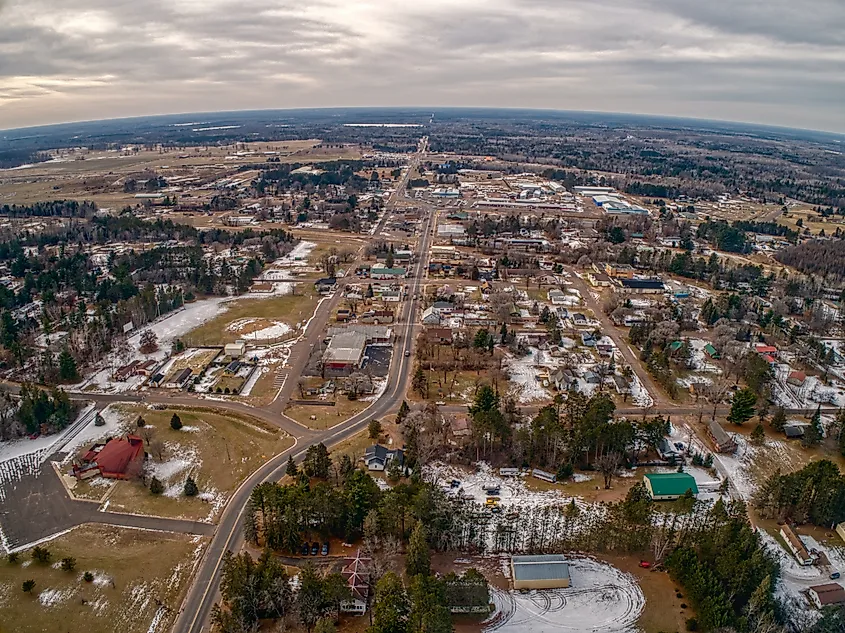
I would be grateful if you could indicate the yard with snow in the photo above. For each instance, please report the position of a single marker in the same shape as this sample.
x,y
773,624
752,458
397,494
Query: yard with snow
x,y
600,599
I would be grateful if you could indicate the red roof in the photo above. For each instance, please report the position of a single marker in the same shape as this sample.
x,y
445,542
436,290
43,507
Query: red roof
x,y
797,376
356,571
766,349
768,359
116,456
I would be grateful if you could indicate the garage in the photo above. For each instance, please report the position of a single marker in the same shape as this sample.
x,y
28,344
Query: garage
x,y
543,571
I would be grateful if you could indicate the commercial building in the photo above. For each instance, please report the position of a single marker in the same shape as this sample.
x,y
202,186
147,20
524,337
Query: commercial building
x,y
543,571
344,354
669,486
119,458
641,286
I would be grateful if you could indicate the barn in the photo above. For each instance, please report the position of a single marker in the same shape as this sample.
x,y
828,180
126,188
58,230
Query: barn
x,y
542,571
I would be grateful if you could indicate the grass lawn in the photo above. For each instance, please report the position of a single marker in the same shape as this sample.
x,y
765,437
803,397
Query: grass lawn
x,y
326,417
662,610
290,309
144,567
465,382
218,451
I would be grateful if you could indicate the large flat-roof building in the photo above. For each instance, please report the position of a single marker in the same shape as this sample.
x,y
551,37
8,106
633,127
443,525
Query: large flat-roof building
x,y
543,571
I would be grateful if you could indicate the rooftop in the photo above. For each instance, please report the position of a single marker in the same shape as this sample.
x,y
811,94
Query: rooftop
x,y
540,567
670,484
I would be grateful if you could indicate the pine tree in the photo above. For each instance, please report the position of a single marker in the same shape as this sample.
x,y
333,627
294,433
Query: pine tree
x,y
418,560
814,433
68,563
419,382
404,410
28,586
291,469
394,471
758,435
742,406
779,419
156,487
175,422
67,367
374,429
191,489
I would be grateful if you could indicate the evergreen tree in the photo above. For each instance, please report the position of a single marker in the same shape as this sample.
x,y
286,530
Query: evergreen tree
x,y
291,470
191,489
758,435
68,563
175,422
374,429
503,333
742,406
28,586
67,367
394,471
390,606
317,462
814,433
310,597
418,559
779,419
156,487
404,410
419,382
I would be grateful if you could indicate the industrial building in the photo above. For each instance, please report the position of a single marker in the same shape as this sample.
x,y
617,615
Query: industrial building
x,y
543,571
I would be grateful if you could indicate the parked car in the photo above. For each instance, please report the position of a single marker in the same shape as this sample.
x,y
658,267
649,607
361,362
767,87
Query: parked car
x,y
304,549
645,564
315,548
679,446
835,575
454,484
325,550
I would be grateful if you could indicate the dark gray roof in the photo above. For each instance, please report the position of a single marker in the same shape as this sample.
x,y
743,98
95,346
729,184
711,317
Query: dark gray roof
x,y
645,284
540,567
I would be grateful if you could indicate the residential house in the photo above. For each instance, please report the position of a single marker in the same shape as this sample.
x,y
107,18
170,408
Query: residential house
x,y
179,379
796,546
599,280
796,378
236,349
377,457
723,442
378,272
711,351
430,317
619,271
326,285
356,573
557,297
605,346
438,335
460,430
827,594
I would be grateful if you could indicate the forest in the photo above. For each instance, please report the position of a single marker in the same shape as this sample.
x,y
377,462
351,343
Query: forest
x,y
825,258
815,494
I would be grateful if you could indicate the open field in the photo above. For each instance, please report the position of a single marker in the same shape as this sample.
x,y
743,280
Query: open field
x,y
811,220
140,578
326,417
218,451
289,309
100,175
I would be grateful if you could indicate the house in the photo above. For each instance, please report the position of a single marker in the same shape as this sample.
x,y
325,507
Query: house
x,y
459,430
356,573
605,346
796,546
769,350
599,279
667,450
723,442
119,458
443,308
557,297
621,384
540,571
669,486
711,352
588,339
430,317
619,271
179,379
325,285
641,286
563,380
235,350
824,595
378,272
438,335
840,530
377,457
796,378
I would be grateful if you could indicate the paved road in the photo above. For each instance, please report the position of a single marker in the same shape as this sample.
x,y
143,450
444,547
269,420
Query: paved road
x,y
204,591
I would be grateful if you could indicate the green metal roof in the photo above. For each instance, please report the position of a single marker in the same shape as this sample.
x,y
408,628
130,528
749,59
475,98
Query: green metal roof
x,y
671,484
675,346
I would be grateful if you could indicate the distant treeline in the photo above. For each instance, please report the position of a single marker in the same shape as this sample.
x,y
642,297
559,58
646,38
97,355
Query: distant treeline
x,y
61,208
16,157
816,257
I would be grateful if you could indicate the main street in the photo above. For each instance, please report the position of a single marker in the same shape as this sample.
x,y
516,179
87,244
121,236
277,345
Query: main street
x,y
204,591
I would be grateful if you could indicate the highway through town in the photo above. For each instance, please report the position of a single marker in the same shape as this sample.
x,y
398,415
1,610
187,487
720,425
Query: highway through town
x,y
204,591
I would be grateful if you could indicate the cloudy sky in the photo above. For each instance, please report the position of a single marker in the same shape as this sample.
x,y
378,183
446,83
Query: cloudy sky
x,y
780,62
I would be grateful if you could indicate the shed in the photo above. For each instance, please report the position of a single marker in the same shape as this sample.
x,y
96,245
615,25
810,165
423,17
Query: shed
x,y
669,486
543,571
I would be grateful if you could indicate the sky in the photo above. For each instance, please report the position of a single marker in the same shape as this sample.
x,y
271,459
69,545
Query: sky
x,y
778,62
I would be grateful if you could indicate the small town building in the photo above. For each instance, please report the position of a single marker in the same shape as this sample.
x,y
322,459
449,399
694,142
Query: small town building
x,y
641,286
541,571
722,440
236,349
119,458
796,546
179,379
378,272
827,594
669,486
325,285
430,317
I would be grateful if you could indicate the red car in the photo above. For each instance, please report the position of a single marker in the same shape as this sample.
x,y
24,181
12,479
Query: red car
x,y
645,564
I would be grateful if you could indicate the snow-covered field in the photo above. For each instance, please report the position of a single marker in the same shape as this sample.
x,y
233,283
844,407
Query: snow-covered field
x,y
698,359
600,599
524,373
277,329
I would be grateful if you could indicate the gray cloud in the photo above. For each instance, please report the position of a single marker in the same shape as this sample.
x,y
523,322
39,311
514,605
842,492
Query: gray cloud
x,y
768,61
